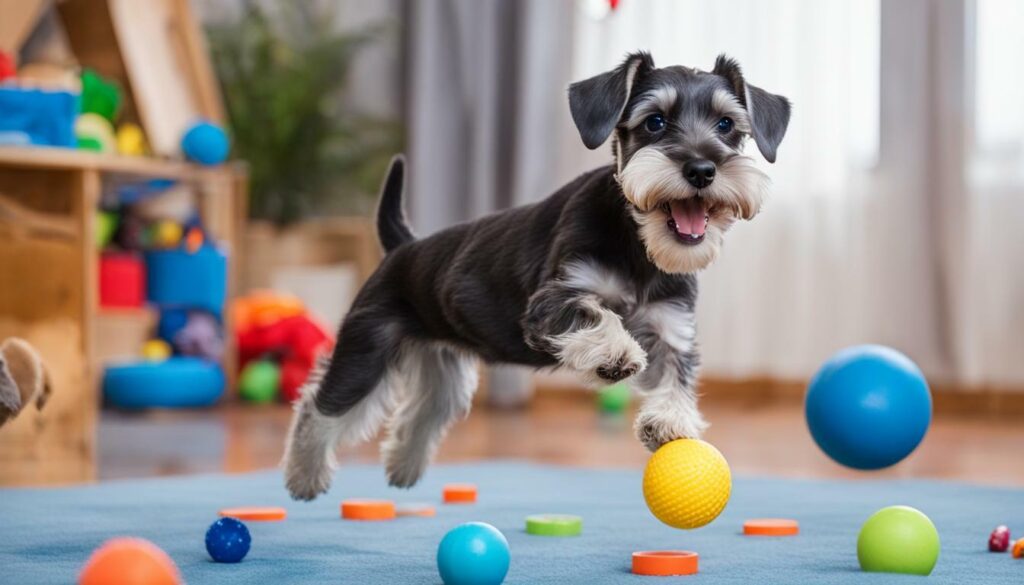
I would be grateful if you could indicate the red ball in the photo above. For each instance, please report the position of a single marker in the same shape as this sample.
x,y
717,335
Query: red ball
x,y
129,561
999,540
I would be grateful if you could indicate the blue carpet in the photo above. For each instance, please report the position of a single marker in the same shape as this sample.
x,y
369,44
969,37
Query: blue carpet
x,y
46,534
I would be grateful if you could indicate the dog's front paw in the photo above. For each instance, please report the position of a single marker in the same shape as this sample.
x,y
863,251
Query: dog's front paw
x,y
654,429
622,368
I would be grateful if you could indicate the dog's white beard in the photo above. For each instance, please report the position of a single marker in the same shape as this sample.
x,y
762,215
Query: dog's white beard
x,y
650,179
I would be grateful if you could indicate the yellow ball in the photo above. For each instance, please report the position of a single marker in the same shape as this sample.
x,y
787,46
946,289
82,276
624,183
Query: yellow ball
x,y
167,234
687,483
130,140
156,350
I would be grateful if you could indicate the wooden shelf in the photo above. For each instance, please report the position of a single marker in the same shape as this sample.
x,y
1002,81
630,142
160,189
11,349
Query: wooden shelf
x,y
50,158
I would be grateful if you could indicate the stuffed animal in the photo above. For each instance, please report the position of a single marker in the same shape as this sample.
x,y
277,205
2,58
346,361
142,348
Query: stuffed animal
x,y
23,378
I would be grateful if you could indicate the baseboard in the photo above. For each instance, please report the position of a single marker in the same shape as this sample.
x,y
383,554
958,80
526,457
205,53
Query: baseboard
x,y
948,400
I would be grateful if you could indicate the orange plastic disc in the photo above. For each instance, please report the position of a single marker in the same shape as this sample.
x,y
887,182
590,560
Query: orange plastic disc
x,y
418,510
665,562
256,514
368,510
459,493
771,527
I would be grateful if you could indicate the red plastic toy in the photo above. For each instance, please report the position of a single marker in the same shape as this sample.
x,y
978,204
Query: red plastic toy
x,y
122,280
7,66
278,325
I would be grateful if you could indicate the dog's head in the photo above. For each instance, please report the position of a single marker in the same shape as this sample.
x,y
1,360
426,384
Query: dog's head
x,y
679,135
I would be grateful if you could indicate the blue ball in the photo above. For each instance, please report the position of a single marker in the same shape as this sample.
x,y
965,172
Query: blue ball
x,y
473,553
868,407
205,143
228,540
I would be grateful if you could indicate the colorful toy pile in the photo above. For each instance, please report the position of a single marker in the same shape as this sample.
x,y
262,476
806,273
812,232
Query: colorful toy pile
x,y
84,111
156,254
279,343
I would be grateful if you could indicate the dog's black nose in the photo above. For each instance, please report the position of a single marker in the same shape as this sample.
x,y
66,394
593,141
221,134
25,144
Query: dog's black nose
x,y
699,172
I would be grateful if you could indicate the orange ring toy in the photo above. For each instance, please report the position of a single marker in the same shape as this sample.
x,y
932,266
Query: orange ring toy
x,y
459,493
771,527
255,514
665,562
368,510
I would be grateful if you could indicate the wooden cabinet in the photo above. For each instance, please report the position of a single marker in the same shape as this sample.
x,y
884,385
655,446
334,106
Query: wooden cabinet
x,y
48,290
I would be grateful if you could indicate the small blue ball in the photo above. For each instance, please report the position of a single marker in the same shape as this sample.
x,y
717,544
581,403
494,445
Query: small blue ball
x,y
868,407
228,540
205,143
474,553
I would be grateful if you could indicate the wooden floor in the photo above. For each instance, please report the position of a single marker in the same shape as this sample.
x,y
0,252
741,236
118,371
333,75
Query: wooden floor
x,y
563,428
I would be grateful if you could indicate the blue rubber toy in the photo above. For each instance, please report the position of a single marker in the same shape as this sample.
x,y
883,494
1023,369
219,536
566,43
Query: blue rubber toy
x,y
868,407
473,553
228,540
178,382
205,143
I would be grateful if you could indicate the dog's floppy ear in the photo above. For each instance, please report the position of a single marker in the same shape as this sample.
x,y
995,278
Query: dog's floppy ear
x,y
597,103
769,113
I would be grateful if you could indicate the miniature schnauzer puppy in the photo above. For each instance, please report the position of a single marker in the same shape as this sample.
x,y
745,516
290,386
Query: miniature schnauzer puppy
x,y
598,278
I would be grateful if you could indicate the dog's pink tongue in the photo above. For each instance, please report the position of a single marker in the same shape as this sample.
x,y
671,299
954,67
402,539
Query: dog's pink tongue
x,y
689,216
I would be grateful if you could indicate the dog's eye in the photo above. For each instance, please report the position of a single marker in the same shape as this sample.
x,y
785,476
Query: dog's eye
x,y
655,123
725,125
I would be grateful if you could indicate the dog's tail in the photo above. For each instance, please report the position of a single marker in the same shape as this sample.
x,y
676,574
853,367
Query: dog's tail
x,y
392,228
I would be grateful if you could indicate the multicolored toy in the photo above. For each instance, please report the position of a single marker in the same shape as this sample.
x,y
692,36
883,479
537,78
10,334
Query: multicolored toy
x,y
474,553
868,387
687,483
273,324
228,540
96,133
129,561
898,539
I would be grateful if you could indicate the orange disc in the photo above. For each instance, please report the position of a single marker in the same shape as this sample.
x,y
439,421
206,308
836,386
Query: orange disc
x,y
771,527
459,493
255,514
665,562
418,510
368,510
131,561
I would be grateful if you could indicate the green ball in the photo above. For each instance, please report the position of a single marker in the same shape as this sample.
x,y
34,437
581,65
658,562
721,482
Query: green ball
x,y
614,398
898,539
260,381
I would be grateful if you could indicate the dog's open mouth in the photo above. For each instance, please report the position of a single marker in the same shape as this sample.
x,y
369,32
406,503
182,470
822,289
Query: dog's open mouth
x,y
688,218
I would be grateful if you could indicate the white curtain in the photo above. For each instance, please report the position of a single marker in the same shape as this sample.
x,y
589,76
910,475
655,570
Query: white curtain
x,y
864,239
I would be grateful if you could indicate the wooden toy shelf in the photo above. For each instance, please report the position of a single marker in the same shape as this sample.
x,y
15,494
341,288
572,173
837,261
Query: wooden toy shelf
x,y
48,289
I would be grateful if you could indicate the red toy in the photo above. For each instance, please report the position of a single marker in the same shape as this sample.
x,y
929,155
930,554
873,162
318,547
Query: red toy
x,y
999,540
7,67
279,326
122,280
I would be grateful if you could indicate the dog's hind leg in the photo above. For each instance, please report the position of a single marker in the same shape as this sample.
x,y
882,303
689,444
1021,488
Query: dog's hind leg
x,y
345,400
438,383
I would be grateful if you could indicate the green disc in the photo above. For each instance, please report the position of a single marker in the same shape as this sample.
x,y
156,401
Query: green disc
x,y
554,525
